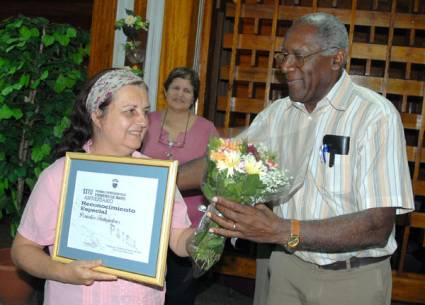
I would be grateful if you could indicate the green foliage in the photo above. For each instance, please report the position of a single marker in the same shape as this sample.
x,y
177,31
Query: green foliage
x,y
41,70
131,22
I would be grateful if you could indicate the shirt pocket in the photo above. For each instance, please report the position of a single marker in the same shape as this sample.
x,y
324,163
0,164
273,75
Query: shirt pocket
x,y
338,179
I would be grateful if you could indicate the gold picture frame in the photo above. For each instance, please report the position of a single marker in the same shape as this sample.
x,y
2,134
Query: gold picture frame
x,y
117,209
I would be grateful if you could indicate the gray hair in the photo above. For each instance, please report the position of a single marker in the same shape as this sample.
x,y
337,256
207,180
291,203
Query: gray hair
x,y
331,32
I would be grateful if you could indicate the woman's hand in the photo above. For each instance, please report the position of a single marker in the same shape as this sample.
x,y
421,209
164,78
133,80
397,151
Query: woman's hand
x,y
180,240
29,256
82,273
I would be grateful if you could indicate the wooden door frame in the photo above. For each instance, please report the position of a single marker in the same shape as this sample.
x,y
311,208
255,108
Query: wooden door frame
x,y
178,37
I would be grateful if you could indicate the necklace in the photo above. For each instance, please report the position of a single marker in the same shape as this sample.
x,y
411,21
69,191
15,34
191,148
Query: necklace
x,y
163,139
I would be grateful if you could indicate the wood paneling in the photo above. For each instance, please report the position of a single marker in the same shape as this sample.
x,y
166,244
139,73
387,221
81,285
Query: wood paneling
x,y
203,58
140,8
102,35
178,39
103,32
236,266
386,54
409,287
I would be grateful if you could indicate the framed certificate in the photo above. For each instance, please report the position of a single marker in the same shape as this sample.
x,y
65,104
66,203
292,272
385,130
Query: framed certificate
x,y
118,210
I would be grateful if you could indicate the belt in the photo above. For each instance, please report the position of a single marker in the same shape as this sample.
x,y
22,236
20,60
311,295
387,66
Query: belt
x,y
354,262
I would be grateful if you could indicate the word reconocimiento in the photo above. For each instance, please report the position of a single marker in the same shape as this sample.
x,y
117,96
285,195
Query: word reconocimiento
x,y
103,208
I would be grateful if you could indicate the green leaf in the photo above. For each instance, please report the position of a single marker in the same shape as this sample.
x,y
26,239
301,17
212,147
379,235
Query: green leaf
x,y
44,75
21,44
40,152
60,84
74,74
17,23
34,32
62,39
59,129
24,80
30,182
20,172
17,86
48,40
11,40
71,33
77,58
7,113
25,33
10,48
69,82
35,84
37,171
7,90
60,65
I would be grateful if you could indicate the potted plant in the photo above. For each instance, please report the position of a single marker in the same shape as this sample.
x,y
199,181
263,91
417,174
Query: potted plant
x,y
131,26
42,66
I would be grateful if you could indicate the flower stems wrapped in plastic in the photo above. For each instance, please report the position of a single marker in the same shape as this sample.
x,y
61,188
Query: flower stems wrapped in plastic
x,y
241,172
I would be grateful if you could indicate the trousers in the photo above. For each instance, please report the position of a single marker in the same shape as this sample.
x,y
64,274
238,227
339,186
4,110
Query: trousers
x,y
296,282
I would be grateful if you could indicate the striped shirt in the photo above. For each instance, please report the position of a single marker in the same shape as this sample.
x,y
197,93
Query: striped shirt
x,y
374,172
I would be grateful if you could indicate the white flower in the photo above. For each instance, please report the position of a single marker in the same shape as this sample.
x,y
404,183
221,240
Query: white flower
x,y
130,20
252,166
230,162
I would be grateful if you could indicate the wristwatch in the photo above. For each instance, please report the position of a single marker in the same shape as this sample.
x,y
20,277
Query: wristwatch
x,y
294,238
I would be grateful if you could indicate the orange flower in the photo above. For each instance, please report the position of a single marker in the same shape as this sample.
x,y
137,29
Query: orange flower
x,y
217,156
227,144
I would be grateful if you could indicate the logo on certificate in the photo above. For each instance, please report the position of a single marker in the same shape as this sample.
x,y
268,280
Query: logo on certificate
x,y
115,183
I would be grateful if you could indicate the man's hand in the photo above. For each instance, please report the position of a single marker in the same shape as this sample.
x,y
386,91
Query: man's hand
x,y
351,232
257,223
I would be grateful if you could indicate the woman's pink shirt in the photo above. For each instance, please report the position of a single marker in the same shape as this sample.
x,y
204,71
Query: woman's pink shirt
x,y
195,146
38,224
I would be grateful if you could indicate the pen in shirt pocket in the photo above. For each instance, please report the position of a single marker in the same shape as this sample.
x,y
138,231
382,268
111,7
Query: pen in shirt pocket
x,y
323,150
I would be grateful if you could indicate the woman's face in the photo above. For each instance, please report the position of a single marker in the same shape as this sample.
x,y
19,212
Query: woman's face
x,y
180,94
121,128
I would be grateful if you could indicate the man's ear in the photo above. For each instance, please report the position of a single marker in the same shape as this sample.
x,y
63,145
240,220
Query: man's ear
x,y
338,60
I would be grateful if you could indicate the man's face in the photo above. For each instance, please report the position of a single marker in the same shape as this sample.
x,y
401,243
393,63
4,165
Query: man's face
x,y
309,80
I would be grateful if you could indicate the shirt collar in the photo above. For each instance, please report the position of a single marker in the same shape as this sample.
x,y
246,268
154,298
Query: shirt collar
x,y
336,96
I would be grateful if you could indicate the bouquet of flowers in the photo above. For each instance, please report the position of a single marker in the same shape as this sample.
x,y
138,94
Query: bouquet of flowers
x,y
239,171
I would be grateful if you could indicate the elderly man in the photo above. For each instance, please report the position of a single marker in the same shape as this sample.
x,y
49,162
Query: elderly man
x,y
334,232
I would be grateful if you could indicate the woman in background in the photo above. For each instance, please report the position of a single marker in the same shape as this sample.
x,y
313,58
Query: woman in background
x,y
177,133
109,118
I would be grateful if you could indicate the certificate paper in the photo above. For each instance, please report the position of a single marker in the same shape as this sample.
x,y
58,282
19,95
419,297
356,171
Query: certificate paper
x,y
109,210
118,210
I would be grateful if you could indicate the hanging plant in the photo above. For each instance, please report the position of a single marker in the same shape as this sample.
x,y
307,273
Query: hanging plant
x,y
131,26
42,66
